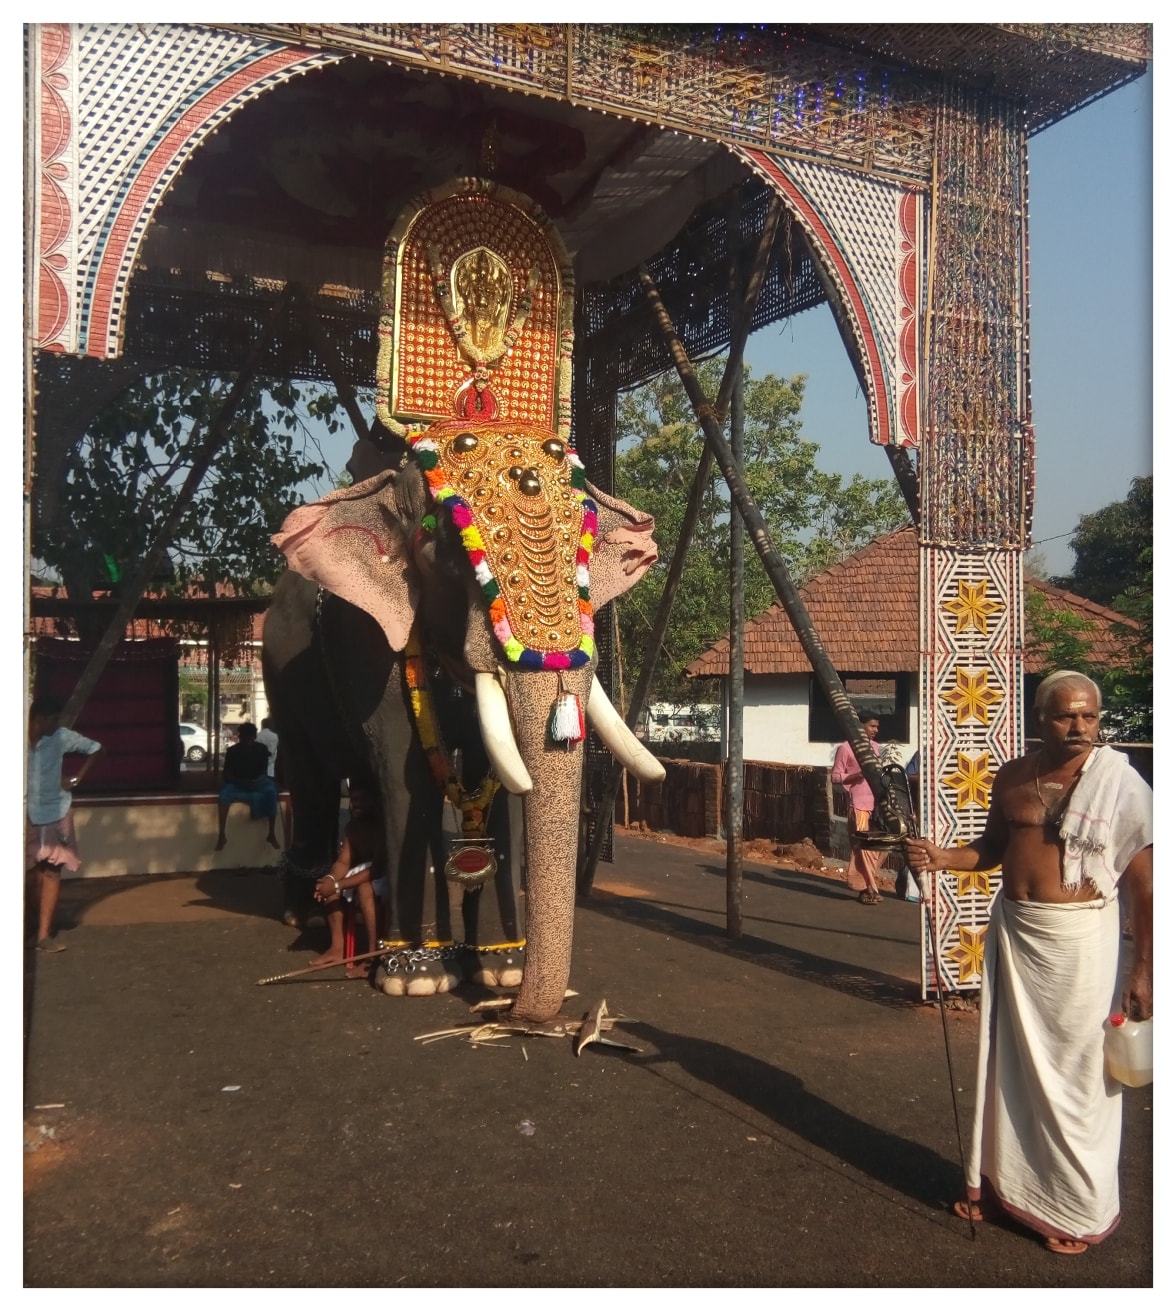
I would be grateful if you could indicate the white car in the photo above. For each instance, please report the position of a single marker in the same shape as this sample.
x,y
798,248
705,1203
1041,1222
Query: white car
x,y
194,743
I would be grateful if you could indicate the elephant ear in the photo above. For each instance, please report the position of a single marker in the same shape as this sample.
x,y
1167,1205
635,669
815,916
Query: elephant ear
x,y
352,544
624,548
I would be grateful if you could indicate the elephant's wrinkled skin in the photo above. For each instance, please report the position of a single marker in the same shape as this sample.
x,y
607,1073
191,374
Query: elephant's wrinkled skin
x,y
334,678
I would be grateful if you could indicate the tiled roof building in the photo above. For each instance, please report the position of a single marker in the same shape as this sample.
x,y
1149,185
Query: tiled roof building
x,y
866,611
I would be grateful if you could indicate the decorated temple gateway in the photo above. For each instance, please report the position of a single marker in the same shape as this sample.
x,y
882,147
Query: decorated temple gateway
x,y
226,198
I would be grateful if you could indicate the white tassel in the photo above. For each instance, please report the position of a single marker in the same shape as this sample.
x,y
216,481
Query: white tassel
x,y
567,717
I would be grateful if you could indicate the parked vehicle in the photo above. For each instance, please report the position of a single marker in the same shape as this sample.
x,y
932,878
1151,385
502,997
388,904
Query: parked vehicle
x,y
664,721
195,744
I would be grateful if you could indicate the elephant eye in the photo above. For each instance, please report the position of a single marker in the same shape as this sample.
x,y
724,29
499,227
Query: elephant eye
x,y
554,447
464,443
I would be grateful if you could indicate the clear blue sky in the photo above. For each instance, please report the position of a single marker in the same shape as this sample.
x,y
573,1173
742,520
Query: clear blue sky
x,y
1090,279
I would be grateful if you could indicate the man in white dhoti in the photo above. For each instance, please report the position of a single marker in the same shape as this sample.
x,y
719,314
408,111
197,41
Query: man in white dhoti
x,y
1070,825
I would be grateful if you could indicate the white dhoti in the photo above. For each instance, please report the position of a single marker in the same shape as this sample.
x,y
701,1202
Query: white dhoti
x,y
1045,1140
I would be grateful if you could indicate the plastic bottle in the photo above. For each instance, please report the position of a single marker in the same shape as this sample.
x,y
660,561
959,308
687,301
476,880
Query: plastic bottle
x,y
1128,1047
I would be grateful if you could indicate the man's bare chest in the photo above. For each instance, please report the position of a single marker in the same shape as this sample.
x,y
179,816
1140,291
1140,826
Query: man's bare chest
x,y
1038,800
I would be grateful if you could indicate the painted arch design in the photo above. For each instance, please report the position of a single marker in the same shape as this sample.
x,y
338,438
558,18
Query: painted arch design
x,y
107,159
867,236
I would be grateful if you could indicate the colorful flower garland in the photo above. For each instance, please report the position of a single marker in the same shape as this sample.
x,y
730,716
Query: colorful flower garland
x,y
473,806
427,452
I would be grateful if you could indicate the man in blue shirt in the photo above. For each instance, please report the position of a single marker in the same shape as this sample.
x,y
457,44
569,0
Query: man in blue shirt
x,y
245,778
50,840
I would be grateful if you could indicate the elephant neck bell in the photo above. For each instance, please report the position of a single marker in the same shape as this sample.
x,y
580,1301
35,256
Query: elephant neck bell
x,y
518,497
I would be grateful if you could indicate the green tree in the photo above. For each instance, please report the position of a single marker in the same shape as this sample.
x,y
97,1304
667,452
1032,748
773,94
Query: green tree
x,y
1112,566
815,518
122,478
1059,639
1063,639
1113,548
1127,689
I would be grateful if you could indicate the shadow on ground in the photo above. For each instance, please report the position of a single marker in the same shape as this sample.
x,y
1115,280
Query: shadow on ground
x,y
860,982
898,1163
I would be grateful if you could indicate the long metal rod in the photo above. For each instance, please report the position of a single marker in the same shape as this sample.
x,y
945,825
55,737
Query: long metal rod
x,y
777,571
218,435
740,331
324,965
734,788
733,792
950,1066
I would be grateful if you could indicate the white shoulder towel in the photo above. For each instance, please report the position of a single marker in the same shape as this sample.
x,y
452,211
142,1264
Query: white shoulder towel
x,y
1108,820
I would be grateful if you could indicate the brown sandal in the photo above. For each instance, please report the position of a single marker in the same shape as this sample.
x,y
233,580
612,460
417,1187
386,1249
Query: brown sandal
x,y
1066,1246
868,898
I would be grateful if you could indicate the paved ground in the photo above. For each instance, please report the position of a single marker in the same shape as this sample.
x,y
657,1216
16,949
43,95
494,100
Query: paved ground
x,y
788,1120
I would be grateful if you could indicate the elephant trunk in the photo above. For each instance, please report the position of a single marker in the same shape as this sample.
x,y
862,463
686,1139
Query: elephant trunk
x,y
552,815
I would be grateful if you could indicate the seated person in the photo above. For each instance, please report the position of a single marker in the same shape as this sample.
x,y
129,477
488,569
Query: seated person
x,y
245,779
357,873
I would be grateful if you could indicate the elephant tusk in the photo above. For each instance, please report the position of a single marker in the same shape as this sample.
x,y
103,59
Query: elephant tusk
x,y
618,737
498,736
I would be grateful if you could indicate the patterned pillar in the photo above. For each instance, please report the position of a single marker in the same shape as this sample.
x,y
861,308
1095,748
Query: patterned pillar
x,y
970,419
971,722
976,475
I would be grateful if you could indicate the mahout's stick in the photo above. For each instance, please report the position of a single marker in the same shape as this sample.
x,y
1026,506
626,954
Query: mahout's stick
x,y
325,965
947,1048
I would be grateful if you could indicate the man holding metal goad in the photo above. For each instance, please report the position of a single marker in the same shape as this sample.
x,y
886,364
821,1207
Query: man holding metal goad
x,y
1070,824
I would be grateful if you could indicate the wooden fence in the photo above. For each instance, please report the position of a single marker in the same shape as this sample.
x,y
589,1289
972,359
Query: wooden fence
x,y
784,803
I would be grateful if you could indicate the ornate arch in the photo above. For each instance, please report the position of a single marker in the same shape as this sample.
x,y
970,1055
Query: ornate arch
x,y
105,159
866,234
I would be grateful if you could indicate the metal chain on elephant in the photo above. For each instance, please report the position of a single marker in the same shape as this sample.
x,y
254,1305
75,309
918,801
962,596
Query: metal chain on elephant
x,y
407,958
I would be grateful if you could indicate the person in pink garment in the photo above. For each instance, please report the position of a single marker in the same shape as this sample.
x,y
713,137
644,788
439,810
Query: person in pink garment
x,y
863,865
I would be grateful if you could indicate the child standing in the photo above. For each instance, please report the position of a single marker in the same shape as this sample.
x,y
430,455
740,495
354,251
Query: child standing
x,y
50,840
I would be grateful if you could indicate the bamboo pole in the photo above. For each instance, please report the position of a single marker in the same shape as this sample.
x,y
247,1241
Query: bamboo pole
x,y
734,788
733,791
777,571
740,330
907,479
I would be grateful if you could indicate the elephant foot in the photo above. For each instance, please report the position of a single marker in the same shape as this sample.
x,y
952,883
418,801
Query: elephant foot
x,y
499,966
418,971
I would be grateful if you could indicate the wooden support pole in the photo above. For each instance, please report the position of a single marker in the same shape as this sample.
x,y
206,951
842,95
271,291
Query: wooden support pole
x,y
734,788
218,435
733,792
777,571
740,330
215,713
906,477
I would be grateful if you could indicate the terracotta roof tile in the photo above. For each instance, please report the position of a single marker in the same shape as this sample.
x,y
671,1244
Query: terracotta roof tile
x,y
866,612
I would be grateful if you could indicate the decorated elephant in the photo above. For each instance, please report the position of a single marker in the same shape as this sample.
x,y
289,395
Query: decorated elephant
x,y
442,611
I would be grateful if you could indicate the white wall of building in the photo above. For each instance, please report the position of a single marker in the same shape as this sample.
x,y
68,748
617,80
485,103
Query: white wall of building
x,y
776,722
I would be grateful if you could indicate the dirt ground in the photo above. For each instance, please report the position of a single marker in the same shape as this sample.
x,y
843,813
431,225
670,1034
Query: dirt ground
x,y
785,1120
